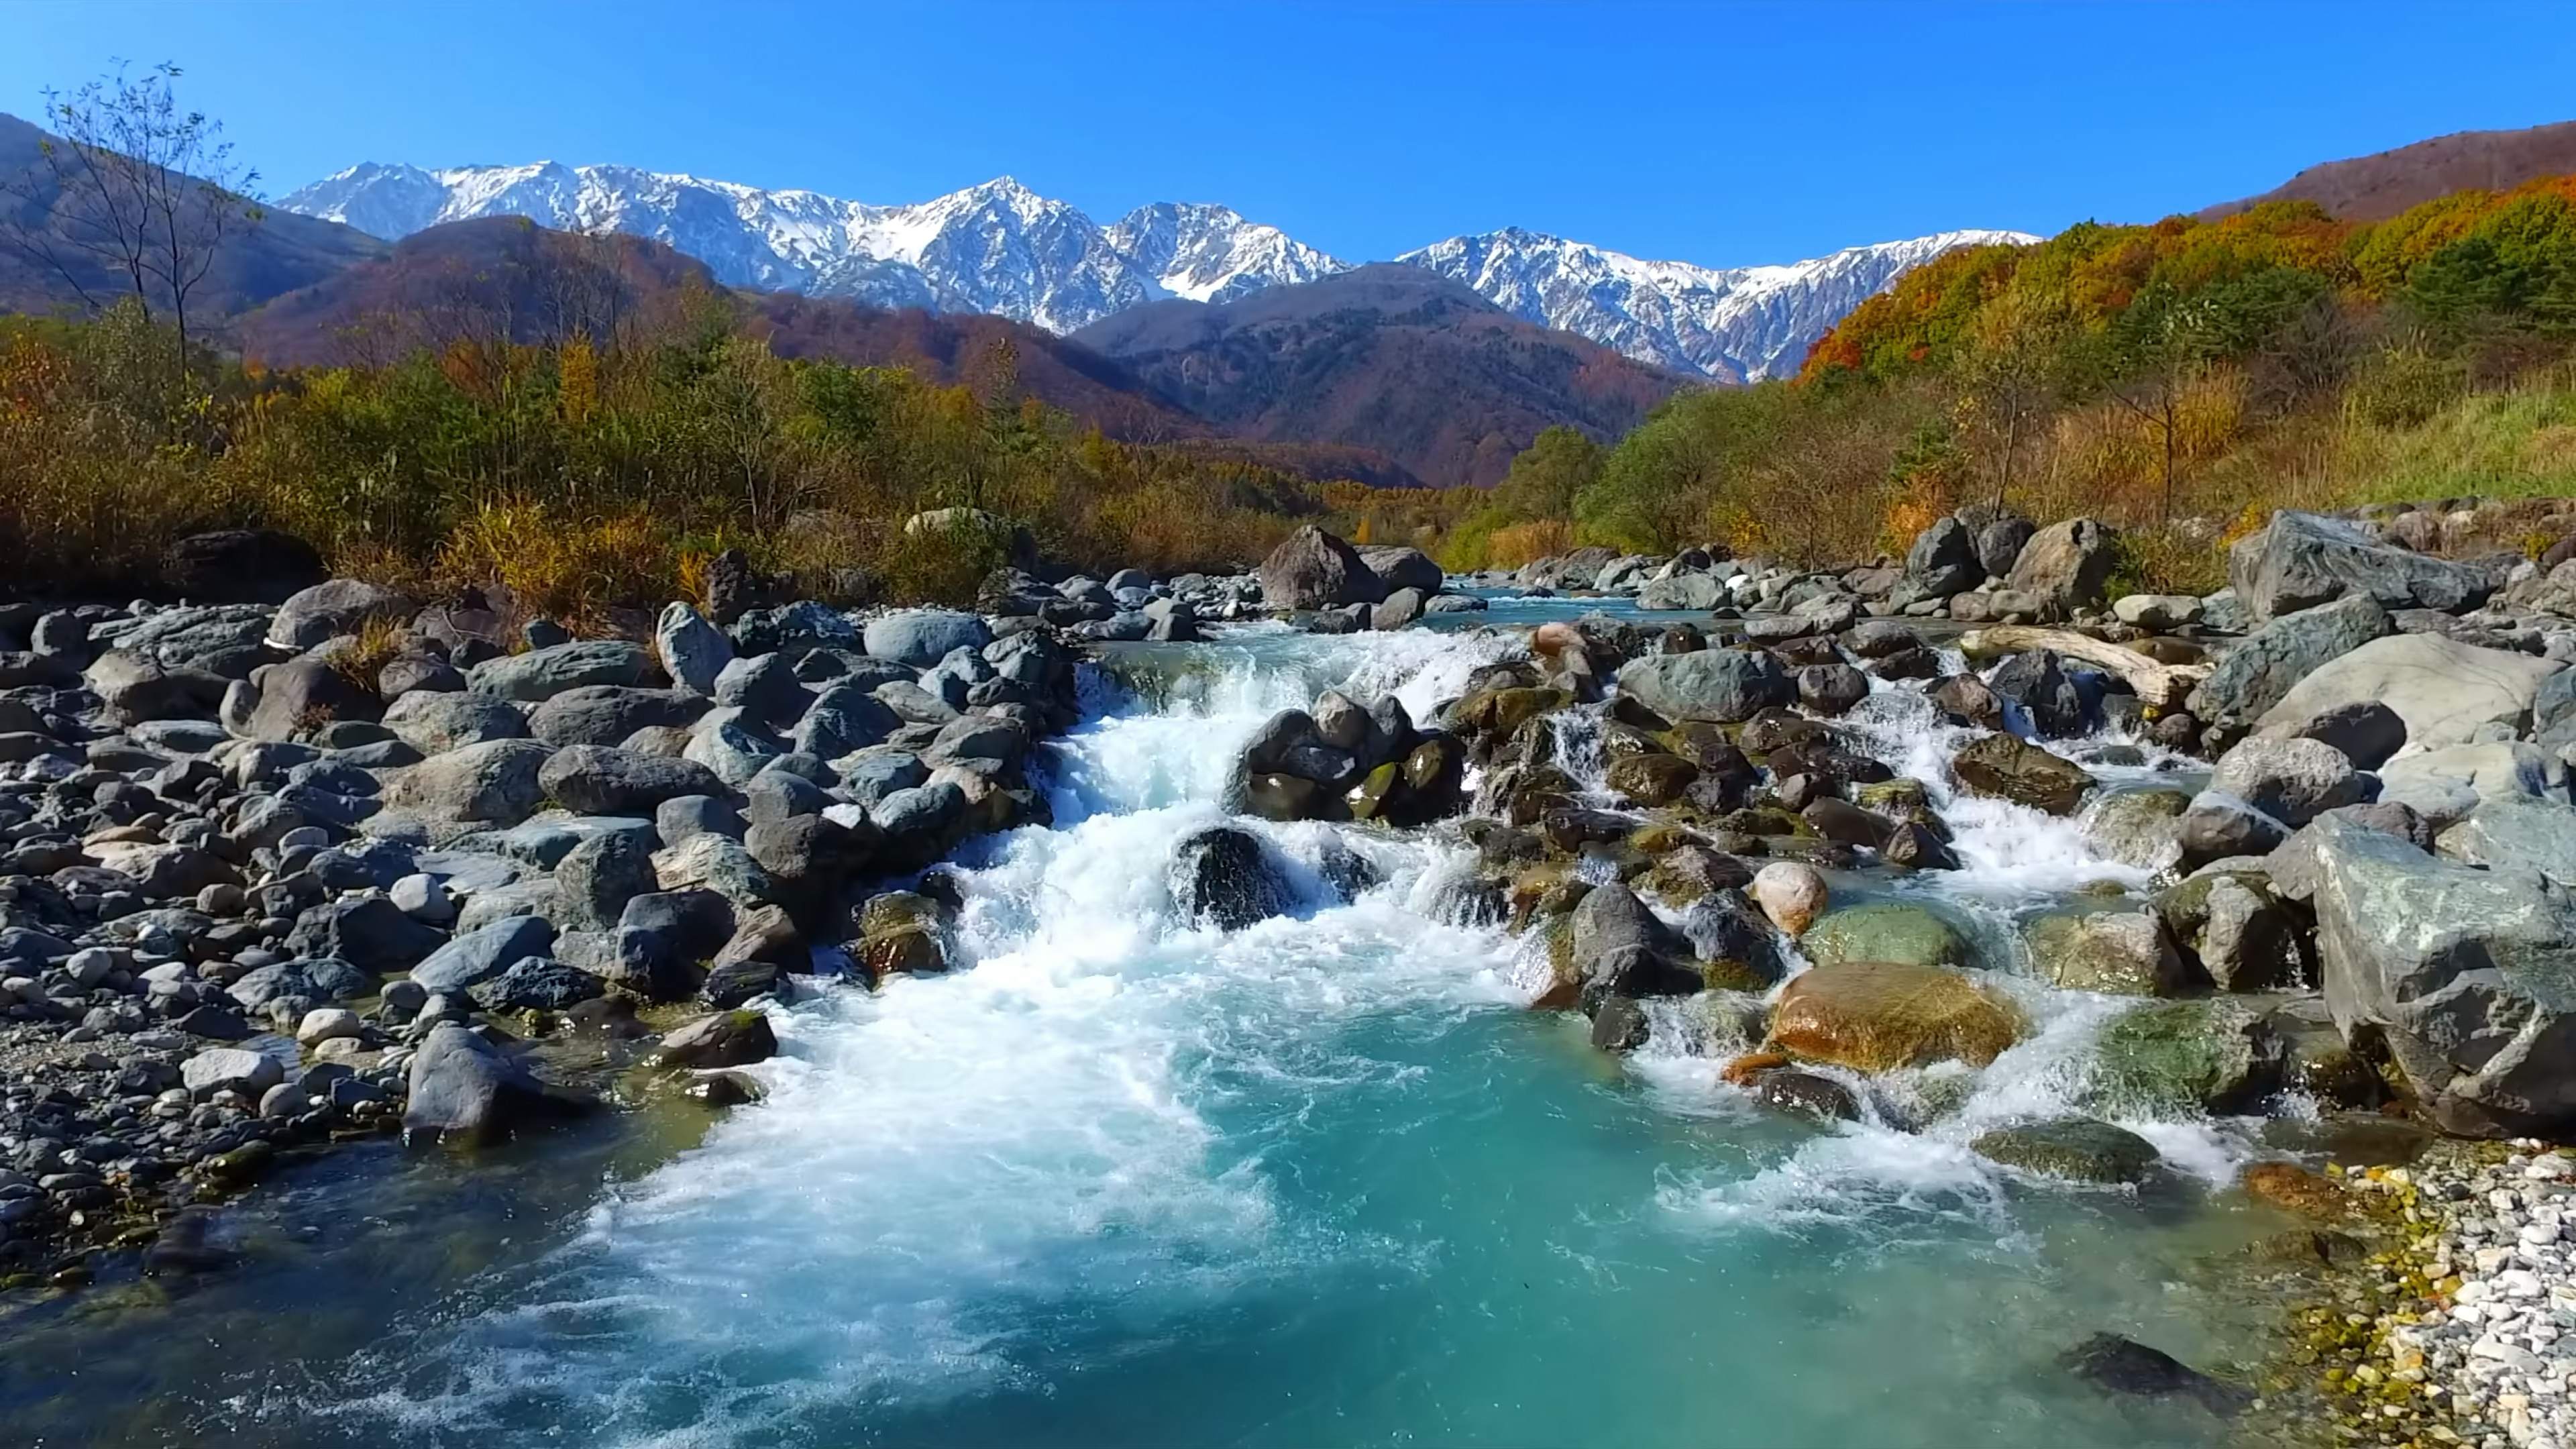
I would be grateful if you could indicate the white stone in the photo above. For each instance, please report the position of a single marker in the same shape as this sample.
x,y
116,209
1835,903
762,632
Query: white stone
x,y
327,1023
424,898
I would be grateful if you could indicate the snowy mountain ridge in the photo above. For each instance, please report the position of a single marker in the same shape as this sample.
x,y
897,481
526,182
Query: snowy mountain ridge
x,y
1001,248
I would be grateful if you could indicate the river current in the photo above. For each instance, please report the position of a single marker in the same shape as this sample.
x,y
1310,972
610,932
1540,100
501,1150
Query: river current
x,y
1122,1180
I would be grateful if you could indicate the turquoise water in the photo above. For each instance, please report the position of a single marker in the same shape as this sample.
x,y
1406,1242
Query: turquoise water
x,y
1320,1182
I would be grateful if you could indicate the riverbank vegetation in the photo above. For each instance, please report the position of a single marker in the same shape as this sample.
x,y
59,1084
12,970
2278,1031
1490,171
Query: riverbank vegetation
x,y
2178,380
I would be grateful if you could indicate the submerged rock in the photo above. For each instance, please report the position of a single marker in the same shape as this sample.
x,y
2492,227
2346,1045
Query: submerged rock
x,y
2079,1148
2178,1059
2124,1366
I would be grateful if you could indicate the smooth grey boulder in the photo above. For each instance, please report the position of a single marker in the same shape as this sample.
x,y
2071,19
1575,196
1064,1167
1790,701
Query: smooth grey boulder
x,y
2445,785
483,953
677,819
2444,690
595,881
765,688
1942,562
436,722
541,674
728,745
1681,592
462,1089
1400,608
2291,780
844,719
1315,570
870,775
2301,560
298,697
2066,566
237,1069
609,714
493,783
1715,686
1399,567
2251,677
1620,949
2468,975
333,607
2516,832
714,861
923,637
2366,731
692,650
598,780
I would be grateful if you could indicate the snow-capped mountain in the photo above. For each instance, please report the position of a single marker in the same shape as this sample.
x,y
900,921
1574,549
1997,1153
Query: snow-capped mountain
x,y
1744,323
1002,248
998,248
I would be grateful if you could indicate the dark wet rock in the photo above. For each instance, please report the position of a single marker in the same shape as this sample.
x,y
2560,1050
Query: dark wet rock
x,y
1619,948
1965,699
370,932
726,1039
2078,1148
1831,689
1221,876
2128,1368
2037,681
2014,769
1805,1094
536,983
241,566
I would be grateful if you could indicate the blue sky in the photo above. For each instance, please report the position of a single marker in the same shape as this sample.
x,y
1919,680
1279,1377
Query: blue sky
x,y
1721,134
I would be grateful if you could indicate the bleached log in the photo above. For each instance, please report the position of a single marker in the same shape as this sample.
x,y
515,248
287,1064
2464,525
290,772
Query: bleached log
x,y
2162,686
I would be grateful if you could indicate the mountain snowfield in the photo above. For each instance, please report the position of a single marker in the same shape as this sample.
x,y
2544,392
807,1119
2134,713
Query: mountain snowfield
x,y
1001,248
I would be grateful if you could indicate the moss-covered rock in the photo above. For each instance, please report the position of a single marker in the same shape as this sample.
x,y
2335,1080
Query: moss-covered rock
x,y
2072,1147
1886,931
1650,779
2015,769
1876,1016
2180,1058
2121,953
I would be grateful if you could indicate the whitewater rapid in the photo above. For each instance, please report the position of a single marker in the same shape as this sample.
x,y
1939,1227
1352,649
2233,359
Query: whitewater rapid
x,y
1118,1177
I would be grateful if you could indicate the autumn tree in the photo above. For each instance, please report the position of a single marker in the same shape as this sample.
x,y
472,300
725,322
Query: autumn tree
x,y
131,188
2010,377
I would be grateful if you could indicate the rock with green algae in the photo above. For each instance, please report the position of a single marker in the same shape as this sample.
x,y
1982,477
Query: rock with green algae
x,y
2120,953
2181,1058
1886,931
2079,1148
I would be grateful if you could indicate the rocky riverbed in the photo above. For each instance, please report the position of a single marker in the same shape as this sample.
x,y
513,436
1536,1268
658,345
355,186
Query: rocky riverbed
x,y
2048,894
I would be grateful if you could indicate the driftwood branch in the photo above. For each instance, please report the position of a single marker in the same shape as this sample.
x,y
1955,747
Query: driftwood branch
x,y
2162,686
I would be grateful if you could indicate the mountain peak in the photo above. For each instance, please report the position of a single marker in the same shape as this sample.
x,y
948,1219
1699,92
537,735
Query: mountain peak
x,y
999,247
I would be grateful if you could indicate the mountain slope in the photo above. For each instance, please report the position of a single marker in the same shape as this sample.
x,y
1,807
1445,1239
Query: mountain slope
x,y
2379,186
1386,357
998,248
1003,249
278,254
504,277
1737,325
